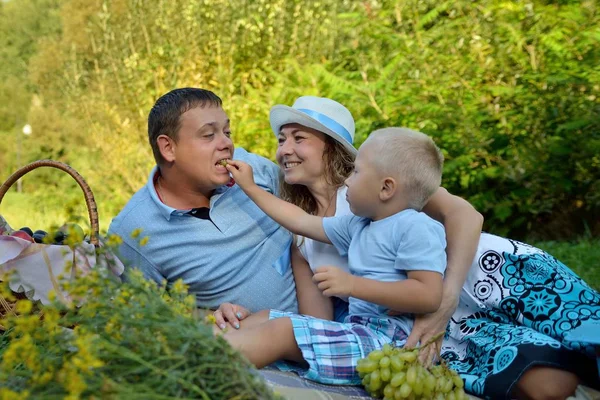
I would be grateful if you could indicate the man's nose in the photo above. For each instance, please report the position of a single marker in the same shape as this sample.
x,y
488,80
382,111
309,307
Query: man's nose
x,y
225,141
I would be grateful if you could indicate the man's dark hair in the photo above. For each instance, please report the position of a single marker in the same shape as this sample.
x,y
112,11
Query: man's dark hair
x,y
164,118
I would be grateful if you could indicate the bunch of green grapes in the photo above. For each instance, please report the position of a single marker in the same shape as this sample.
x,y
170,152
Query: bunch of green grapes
x,y
396,373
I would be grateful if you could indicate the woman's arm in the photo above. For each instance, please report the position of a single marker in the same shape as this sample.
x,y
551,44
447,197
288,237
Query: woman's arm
x,y
311,300
463,227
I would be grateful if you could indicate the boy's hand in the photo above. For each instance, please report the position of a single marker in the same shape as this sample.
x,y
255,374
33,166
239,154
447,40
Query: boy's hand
x,y
334,281
241,172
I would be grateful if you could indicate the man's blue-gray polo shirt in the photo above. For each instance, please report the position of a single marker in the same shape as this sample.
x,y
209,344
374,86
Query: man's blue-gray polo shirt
x,y
239,255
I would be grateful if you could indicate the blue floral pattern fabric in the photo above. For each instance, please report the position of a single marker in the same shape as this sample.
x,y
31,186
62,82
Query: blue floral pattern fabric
x,y
516,306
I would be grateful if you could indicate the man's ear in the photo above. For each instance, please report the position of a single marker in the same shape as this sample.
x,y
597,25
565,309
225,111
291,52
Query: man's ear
x,y
389,186
166,146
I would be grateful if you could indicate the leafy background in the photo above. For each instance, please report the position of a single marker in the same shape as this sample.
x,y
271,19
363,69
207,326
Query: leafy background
x,y
508,89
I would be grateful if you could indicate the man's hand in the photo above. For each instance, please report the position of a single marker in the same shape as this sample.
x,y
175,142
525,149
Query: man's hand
x,y
241,172
334,281
427,326
231,314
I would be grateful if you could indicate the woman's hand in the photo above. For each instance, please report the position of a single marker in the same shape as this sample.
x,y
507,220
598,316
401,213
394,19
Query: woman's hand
x,y
241,172
427,326
231,314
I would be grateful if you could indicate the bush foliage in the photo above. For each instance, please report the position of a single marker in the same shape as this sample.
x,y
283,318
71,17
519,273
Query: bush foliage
x,y
508,89
129,340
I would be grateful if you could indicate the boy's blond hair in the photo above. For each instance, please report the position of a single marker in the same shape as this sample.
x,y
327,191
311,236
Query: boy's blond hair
x,y
410,157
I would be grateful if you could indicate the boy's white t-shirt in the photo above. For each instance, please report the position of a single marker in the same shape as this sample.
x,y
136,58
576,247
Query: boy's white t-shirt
x,y
318,254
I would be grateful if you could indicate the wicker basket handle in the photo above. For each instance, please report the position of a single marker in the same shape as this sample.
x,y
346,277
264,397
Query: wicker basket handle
x,y
87,192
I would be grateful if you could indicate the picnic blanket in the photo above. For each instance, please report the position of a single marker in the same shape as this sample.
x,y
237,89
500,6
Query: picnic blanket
x,y
292,387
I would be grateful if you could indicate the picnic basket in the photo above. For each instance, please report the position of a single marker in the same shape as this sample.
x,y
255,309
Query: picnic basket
x,y
7,307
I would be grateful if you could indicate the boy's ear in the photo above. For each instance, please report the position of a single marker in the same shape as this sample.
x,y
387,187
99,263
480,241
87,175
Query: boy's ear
x,y
166,145
389,186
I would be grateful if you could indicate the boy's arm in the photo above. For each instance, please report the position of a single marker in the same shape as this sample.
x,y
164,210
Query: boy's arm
x,y
420,293
286,214
311,301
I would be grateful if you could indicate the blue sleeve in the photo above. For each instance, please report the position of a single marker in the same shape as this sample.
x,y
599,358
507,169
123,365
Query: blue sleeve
x,y
266,172
340,230
132,258
422,247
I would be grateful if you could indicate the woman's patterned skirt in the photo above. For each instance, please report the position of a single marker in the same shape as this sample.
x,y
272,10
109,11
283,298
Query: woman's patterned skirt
x,y
516,307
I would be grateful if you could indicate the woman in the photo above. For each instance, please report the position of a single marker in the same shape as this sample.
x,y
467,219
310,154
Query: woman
x,y
514,296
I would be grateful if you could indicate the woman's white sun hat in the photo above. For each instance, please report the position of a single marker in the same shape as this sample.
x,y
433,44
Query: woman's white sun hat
x,y
320,113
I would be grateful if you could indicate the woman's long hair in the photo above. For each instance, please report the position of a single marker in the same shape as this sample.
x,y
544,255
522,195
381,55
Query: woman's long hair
x,y
338,162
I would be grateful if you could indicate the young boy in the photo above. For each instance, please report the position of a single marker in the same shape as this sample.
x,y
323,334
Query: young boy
x,y
396,257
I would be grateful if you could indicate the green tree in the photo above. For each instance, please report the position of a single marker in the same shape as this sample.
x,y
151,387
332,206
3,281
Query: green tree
x,y
509,90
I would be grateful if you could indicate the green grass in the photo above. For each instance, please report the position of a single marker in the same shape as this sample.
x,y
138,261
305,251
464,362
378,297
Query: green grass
x,y
36,212
582,256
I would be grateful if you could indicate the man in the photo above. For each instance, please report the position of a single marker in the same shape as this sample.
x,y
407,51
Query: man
x,y
202,228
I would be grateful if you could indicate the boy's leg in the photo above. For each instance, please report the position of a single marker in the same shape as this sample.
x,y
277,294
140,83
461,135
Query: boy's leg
x,y
250,321
255,319
265,343
546,383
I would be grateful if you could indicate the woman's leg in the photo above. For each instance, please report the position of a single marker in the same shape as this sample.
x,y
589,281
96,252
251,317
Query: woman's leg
x,y
497,359
542,383
530,288
265,343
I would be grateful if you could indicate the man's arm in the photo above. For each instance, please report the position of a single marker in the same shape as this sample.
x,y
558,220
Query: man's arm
x,y
311,300
132,258
286,214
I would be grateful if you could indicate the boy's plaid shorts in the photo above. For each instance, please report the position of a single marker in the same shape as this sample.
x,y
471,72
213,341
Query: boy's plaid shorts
x,y
332,349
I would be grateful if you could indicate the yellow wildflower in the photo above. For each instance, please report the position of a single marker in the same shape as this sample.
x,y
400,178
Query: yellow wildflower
x,y
136,232
24,306
114,240
210,319
7,394
72,380
5,288
13,355
44,378
179,287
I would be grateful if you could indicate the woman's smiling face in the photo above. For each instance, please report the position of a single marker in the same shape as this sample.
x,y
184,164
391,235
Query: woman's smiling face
x,y
300,154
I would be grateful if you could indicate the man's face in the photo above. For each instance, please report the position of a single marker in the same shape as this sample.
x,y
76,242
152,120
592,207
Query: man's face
x,y
203,140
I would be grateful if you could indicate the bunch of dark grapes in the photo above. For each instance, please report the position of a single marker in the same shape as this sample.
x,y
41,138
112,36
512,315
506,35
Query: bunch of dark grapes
x,y
396,373
60,236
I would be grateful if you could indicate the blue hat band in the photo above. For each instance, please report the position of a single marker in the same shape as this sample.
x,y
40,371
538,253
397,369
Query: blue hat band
x,y
329,123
